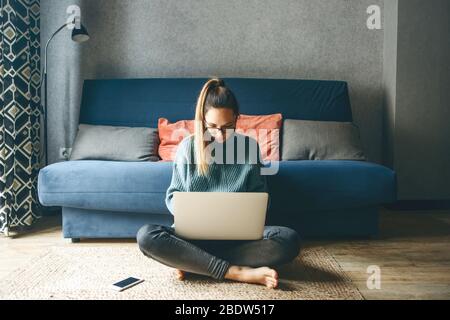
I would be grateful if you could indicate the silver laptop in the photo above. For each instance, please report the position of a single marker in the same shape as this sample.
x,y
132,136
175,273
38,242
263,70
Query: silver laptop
x,y
220,215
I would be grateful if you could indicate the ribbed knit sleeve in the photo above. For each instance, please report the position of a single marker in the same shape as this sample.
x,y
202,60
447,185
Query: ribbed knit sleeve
x,y
256,181
179,172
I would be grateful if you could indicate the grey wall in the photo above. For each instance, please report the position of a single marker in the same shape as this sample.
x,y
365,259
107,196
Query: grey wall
x,y
320,39
417,100
389,79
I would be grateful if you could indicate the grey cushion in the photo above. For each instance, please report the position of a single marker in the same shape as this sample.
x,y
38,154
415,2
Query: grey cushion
x,y
320,140
115,143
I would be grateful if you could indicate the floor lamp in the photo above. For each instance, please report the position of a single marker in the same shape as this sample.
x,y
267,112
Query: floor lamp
x,y
79,35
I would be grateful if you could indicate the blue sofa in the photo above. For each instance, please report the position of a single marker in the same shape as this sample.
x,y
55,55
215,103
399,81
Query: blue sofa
x,y
112,199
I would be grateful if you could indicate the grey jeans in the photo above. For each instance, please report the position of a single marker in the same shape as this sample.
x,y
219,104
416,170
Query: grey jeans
x,y
278,246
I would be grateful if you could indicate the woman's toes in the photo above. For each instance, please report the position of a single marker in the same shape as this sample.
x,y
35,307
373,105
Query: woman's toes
x,y
274,274
272,279
179,274
271,282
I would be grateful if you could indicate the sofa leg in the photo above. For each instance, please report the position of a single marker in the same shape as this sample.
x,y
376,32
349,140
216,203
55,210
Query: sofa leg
x,y
75,240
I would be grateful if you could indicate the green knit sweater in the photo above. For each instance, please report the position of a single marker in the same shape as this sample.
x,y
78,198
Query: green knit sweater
x,y
241,174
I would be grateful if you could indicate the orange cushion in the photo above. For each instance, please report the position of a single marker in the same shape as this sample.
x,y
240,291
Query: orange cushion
x,y
265,129
171,134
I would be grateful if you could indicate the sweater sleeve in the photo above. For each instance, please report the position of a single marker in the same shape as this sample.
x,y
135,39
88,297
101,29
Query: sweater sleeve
x,y
256,181
179,167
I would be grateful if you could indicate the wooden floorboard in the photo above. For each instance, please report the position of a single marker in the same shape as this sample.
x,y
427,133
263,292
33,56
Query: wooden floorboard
x,y
412,251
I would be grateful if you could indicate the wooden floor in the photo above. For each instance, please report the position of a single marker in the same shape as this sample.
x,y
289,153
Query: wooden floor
x,y
412,251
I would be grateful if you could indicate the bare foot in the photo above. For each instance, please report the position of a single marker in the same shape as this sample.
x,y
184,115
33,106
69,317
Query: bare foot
x,y
263,275
179,274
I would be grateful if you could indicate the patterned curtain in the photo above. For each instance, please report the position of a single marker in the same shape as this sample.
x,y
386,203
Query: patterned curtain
x,y
20,113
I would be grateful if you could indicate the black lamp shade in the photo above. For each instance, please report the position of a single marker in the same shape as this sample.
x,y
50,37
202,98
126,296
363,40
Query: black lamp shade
x,y
80,35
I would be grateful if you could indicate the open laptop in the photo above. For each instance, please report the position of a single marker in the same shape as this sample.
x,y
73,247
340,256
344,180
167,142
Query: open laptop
x,y
220,215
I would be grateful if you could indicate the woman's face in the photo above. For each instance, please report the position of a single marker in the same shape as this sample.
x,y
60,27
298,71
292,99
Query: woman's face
x,y
220,118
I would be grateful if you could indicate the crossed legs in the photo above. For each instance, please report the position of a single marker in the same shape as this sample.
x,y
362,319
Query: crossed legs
x,y
245,261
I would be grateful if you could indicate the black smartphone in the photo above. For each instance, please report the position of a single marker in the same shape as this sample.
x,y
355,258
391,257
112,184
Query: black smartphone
x,y
126,283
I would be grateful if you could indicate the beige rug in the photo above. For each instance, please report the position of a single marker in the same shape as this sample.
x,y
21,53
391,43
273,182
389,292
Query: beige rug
x,y
86,272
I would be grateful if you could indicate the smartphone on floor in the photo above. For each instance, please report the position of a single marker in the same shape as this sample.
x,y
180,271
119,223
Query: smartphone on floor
x,y
126,283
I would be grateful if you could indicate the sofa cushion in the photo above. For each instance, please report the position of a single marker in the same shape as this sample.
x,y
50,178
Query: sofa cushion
x,y
106,185
141,186
115,143
321,140
265,129
170,136
311,185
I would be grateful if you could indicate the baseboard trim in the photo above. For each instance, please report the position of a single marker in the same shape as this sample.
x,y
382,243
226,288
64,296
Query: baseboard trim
x,y
410,205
